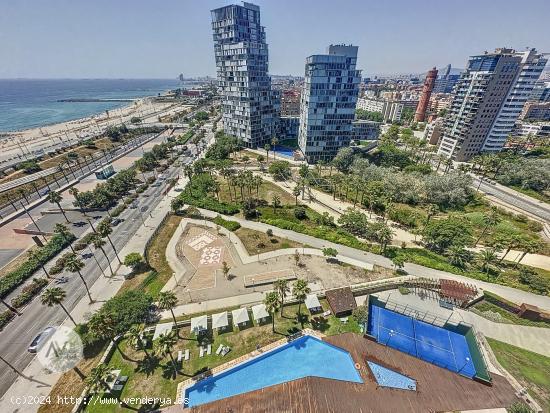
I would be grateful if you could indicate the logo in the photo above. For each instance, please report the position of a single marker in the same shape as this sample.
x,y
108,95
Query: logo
x,y
61,351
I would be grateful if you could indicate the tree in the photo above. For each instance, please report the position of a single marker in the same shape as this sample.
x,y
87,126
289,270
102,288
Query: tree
x,y
361,314
275,201
102,326
296,193
384,236
519,407
74,264
55,198
398,262
167,300
529,247
274,143
440,235
282,289
135,120
134,260
296,258
300,290
343,159
280,170
55,296
487,259
97,379
330,253
458,256
272,304
105,229
98,243
64,232
490,220
267,148
36,255
225,269
135,338
164,345
431,211
78,202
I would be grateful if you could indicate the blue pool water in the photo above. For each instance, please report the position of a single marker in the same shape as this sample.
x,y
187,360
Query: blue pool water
x,y
306,356
428,342
389,378
283,150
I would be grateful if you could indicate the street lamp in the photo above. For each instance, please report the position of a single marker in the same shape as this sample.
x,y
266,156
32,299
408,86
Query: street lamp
x,y
175,279
189,292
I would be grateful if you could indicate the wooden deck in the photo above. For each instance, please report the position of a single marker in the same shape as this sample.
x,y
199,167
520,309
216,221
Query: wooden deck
x,y
439,390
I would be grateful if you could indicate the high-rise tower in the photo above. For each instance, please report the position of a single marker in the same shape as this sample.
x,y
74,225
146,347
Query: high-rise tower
x,y
425,97
487,101
327,107
250,108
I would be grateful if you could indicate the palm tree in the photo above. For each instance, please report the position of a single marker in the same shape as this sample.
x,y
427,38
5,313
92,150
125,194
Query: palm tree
x,y
36,255
74,264
55,198
105,229
431,210
76,194
282,288
487,258
300,290
135,338
274,142
55,296
97,379
272,304
225,269
529,247
512,241
98,243
458,256
490,220
64,232
10,307
163,346
167,300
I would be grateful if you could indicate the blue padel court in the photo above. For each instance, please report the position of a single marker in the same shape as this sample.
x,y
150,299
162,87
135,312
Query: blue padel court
x,y
452,350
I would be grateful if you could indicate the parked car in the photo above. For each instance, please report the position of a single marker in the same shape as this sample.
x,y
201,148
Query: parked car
x,y
116,221
40,339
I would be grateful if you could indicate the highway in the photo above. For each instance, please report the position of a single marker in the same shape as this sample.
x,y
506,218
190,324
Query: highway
x,y
514,198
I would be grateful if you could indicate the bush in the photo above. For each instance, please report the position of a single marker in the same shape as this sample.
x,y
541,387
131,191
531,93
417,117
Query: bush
x,y
118,210
280,170
133,260
29,292
230,225
300,213
16,277
5,318
403,290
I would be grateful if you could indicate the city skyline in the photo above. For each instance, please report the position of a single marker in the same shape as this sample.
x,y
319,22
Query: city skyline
x,y
417,37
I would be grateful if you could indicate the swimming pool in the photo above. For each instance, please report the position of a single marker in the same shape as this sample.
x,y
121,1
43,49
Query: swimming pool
x,y
303,357
283,150
389,378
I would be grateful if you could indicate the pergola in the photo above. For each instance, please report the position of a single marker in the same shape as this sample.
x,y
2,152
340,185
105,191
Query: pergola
x,y
220,320
240,316
259,312
199,324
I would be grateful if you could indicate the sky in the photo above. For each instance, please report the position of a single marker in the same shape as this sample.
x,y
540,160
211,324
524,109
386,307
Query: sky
x,y
162,38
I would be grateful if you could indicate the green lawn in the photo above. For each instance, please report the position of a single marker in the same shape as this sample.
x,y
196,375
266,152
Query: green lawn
x,y
532,370
156,379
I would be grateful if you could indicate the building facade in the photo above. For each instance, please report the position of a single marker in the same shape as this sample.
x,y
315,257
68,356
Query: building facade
x,y
328,102
391,110
365,130
487,101
290,102
250,108
536,111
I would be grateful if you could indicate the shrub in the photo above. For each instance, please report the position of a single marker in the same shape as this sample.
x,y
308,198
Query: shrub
x,y
5,318
29,292
133,260
300,213
280,170
118,210
403,290
16,277
230,225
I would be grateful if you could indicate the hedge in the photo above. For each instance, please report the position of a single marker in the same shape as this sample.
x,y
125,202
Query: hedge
x,y
230,225
5,318
210,204
16,277
29,292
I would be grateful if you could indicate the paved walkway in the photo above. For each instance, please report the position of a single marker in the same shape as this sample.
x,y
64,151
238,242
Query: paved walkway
x,y
509,293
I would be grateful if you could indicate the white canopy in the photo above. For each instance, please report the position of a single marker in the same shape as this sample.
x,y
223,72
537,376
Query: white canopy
x,y
199,324
162,329
259,312
220,320
312,302
240,315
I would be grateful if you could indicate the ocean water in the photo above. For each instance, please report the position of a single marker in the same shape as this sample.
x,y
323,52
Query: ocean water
x,y
28,103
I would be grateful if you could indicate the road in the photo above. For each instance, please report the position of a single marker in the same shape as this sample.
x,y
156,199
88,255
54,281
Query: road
x,y
16,337
514,198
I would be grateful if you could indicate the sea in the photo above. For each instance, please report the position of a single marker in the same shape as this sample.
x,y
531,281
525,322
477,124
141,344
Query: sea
x,y
30,103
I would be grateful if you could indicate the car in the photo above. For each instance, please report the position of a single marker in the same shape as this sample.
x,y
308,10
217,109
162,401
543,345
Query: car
x,y
40,339
155,184
116,221
133,205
